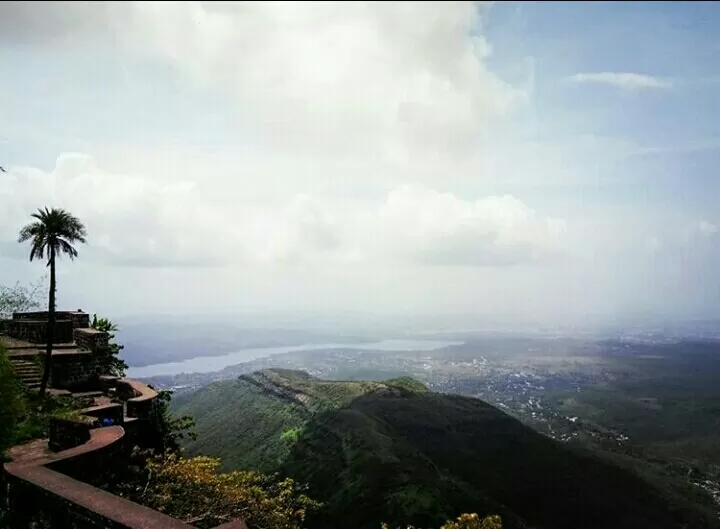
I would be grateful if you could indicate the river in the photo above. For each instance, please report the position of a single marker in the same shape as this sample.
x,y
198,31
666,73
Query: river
x,y
207,364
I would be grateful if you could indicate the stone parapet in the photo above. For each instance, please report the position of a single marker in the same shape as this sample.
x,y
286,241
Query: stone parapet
x,y
78,369
68,433
35,331
32,326
91,339
55,491
141,399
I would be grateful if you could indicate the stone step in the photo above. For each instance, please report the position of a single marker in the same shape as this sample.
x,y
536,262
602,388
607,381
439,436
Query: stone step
x,y
59,392
27,370
30,375
88,394
19,365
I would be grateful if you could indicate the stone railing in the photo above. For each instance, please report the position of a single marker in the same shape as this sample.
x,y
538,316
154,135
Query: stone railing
x,y
68,433
56,491
41,494
141,398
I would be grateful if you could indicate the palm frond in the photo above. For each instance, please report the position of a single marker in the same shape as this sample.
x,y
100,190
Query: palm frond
x,y
37,251
66,248
29,232
54,228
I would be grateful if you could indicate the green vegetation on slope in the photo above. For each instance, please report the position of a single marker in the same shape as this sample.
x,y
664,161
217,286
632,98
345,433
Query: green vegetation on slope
x,y
245,426
12,402
394,452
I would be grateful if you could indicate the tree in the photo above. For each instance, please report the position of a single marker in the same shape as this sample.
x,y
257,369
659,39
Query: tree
x,y
19,298
117,365
468,521
191,489
169,429
52,234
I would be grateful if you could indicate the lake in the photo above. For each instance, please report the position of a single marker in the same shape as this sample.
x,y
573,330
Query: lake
x,y
207,364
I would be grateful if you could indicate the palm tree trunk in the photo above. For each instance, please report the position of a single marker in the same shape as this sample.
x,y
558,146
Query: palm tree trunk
x,y
50,325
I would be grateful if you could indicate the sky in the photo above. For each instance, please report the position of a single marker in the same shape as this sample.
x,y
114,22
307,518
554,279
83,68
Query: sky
x,y
555,161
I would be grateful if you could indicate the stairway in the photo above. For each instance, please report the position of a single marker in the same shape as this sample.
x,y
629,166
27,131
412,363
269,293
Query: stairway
x,y
29,372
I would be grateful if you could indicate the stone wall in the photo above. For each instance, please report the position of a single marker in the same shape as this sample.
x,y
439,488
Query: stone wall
x,y
32,326
49,493
57,492
141,399
78,317
78,369
91,339
68,433
35,331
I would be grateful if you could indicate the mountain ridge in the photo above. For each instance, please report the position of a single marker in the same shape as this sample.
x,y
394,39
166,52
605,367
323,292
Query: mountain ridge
x,y
393,451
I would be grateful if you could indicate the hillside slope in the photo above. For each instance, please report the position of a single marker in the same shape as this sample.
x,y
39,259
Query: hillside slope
x,y
393,451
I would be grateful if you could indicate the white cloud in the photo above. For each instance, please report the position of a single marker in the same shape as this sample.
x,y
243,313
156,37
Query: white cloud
x,y
707,228
624,80
133,219
653,244
318,152
399,80
440,228
332,97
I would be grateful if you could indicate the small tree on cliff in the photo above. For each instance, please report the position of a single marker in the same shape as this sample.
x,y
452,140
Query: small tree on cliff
x,y
20,298
52,234
117,365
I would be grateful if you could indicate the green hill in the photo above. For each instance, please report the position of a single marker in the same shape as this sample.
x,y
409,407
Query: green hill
x,y
395,452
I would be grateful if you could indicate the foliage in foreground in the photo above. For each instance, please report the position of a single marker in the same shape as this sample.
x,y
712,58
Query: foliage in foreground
x,y
467,521
171,430
191,489
12,403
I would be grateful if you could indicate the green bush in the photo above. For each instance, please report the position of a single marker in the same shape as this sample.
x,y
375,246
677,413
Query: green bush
x,y
12,402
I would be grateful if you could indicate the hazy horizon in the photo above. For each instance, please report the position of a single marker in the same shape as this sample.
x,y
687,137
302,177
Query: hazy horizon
x,y
546,162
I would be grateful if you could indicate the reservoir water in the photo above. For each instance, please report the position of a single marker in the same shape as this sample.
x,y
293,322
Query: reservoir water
x,y
206,364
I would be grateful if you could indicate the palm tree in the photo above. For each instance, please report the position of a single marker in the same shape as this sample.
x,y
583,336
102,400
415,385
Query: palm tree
x,y
53,233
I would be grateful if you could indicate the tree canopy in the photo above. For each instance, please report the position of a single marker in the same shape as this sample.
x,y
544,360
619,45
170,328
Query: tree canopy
x,y
53,233
20,298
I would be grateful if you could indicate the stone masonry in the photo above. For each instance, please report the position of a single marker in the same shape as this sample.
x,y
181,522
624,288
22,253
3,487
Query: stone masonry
x,y
32,326
80,353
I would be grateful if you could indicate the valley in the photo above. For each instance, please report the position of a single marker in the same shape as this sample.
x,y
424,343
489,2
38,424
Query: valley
x,y
647,406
